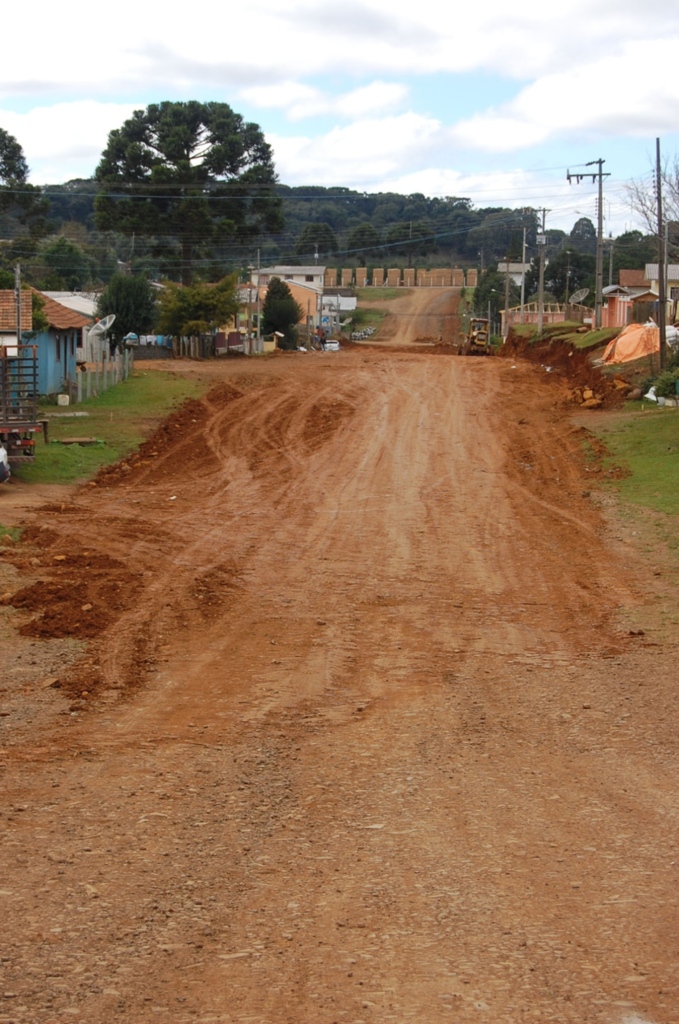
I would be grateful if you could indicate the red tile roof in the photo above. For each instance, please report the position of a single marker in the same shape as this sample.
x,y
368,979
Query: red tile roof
x,y
8,311
60,317
633,278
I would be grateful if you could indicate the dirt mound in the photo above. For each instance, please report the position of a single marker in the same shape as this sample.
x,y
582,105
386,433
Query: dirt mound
x,y
570,364
172,432
82,595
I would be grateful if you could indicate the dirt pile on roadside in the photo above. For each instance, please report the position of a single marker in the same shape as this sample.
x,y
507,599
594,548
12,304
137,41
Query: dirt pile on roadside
x,y
587,386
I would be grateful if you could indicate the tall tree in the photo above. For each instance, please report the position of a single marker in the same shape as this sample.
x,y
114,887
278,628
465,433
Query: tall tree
x,y
363,243
316,238
133,300
63,264
643,199
19,199
410,239
190,176
583,236
490,293
198,308
281,312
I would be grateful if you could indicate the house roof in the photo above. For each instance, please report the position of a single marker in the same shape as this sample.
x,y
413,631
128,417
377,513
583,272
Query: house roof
x,y
8,310
633,278
615,289
81,302
290,270
671,271
514,268
61,317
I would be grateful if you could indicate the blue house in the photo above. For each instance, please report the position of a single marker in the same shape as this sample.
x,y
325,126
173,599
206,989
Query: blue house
x,y
58,346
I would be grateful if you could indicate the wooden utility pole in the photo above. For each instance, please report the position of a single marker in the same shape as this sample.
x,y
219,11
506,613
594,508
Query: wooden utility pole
x,y
661,261
542,241
17,296
523,275
506,323
597,176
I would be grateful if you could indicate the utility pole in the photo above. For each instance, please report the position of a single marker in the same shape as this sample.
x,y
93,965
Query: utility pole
x,y
17,295
259,312
661,260
596,176
542,241
506,323
523,275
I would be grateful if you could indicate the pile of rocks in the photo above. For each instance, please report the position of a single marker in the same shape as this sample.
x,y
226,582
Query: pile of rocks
x,y
587,398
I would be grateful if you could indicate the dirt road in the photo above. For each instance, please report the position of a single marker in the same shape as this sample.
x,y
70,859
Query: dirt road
x,y
364,735
419,316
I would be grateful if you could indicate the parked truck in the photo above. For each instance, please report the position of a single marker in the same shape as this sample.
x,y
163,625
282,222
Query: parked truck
x,y
477,339
19,403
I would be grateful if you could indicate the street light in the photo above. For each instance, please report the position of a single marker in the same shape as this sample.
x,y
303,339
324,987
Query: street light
x,y
493,291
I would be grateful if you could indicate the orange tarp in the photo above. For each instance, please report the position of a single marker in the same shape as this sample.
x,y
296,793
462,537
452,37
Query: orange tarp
x,y
636,341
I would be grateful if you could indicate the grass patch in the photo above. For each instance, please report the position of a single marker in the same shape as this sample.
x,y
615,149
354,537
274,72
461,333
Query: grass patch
x,y
120,419
9,531
567,332
646,442
381,294
594,339
363,317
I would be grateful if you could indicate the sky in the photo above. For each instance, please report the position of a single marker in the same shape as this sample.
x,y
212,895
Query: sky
x,y
495,101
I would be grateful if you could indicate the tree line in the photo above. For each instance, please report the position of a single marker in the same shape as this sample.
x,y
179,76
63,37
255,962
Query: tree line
x,y
187,192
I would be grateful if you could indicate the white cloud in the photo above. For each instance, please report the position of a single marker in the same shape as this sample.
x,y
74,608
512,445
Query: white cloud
x,y
357,154
64,141
138,50
301,101
635,93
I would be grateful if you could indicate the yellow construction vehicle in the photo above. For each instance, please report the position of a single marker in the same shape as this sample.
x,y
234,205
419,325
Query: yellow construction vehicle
x,y
477,339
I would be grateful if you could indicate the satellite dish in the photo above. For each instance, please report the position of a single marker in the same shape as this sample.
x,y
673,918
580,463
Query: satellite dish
x,y
578,296
102,326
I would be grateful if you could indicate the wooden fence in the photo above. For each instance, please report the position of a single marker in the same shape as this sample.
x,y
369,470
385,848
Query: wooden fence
x,y
104,375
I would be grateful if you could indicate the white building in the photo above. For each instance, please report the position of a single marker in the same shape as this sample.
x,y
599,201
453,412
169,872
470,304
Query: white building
x,y
312,277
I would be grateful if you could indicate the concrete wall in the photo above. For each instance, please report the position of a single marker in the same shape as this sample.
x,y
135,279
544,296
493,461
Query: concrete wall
x,y
440,277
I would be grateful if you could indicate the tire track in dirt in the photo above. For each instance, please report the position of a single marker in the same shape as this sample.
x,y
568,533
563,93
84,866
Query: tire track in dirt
x,y
403,769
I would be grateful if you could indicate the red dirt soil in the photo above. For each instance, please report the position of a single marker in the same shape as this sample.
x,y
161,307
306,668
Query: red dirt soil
x,y
360,725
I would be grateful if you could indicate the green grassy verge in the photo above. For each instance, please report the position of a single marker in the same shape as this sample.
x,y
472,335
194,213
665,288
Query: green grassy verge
x,y
381,294
120,419
645,441
362,317
568,332
594,339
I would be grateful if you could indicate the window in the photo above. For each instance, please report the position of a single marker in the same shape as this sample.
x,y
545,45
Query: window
x,y
309,277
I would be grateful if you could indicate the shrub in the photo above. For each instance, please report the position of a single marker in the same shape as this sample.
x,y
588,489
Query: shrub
x,y
666,384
